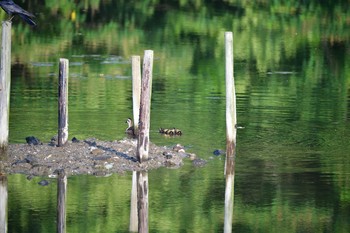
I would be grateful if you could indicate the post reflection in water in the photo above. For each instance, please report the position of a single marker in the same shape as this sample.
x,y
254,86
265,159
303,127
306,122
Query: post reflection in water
x,y
142,201
3,203
61,201
133,226
229,193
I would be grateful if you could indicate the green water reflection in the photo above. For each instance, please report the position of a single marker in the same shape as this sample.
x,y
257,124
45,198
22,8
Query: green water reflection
x,y
292,78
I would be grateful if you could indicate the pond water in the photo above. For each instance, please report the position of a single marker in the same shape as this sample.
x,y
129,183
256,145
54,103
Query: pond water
x,y
292,73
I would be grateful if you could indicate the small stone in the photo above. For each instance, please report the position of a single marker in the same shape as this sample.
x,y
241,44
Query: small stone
x,y
44,183
179,148
109,165
53,175
31,140
199,162
218,152
192,156
167,155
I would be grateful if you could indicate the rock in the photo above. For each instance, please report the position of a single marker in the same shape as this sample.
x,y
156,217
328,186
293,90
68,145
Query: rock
x,y
31,159
199,162
179,148
101,174
183,155
97,152
192,156
44,183
218,152
108,165
167,155
103,157
31,140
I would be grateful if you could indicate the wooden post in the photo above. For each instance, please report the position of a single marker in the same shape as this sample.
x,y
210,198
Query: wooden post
x,y
63,102
143,141
136,90
145,107
5,85
3,203
61,201
231,129
136,94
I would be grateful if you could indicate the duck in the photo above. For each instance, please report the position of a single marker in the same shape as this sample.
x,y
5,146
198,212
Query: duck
x,y
130,130
170,132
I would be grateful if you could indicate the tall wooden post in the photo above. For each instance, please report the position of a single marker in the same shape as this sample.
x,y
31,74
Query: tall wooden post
x,y
3,203
231,129
5,85
61,201
145,107
63,102
136,89
136,94
143,140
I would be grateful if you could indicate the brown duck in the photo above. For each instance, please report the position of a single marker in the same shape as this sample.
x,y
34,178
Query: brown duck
x,y
130,131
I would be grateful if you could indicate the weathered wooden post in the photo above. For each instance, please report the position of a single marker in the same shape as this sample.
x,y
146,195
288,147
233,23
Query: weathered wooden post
x,y
3,203
231,129
136,93
63,102
136,89
145,107
61,201
5,85
143,140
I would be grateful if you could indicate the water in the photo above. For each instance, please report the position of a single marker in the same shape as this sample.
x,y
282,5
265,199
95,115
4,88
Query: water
x,y
291,74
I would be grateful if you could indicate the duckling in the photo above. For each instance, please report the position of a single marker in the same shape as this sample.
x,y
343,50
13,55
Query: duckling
x,y
166,131
170,132
178,132
130,130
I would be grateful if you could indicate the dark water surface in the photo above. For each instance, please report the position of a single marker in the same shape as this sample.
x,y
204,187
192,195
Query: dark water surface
x,y
292,81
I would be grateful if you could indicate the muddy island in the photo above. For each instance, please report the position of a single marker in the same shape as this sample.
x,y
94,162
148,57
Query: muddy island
x,y
90,156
